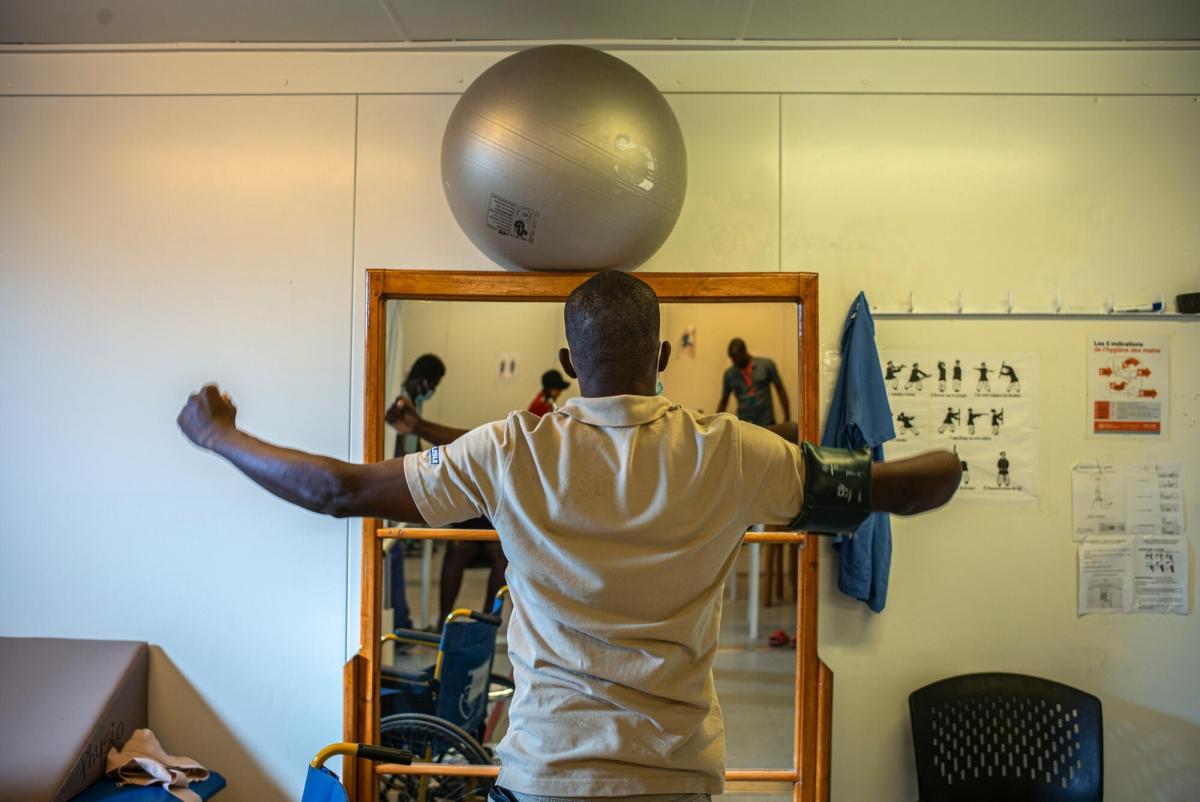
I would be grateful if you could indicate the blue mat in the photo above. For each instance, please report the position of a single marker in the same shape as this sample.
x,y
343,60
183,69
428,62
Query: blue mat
x,y
107,789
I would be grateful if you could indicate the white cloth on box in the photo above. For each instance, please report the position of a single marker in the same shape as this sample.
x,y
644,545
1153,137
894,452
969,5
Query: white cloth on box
x,y
143,761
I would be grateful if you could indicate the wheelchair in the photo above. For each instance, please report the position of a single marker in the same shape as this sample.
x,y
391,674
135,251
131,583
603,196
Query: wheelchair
x,y
448,711
322,785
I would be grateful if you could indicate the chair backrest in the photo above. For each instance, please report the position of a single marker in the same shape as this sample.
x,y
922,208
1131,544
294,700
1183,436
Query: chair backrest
x,y
468,647
1001,737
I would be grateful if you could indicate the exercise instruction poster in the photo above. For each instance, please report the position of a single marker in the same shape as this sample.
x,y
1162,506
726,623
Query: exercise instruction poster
x,y
980,405
1128,385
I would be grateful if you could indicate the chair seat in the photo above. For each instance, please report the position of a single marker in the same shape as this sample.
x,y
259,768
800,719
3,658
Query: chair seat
x,y
403,691
106,788
422,676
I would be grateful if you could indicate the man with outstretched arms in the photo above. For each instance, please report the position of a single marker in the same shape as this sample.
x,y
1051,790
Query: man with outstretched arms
x,y
599,504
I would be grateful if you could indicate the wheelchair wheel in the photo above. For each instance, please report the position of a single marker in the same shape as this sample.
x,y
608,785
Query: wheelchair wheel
x,y
432,740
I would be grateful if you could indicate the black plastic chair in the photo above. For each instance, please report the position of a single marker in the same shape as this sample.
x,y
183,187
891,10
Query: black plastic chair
x,y
1007,738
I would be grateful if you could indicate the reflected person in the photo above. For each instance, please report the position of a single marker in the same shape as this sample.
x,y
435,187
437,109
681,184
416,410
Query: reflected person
x,y
750,380
419,386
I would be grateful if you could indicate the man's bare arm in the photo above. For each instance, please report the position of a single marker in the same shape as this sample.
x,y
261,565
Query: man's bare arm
x,y
783,400
403,417
438,434
916,484
724,401
320,484
788,430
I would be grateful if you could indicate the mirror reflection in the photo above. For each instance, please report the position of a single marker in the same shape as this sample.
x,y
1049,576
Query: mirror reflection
x,y
464,363
475,361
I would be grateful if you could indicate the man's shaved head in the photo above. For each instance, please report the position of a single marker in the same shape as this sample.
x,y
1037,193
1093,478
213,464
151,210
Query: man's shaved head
x,y
737,352
612,326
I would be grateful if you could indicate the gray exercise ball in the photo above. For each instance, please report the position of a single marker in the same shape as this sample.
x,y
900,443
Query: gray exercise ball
x,y
564,158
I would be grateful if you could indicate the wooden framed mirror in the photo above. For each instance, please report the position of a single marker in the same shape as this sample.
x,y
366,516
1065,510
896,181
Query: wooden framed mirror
x,y
789,298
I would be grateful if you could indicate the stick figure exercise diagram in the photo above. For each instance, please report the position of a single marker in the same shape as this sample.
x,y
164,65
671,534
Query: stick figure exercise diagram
x,y
916,378
1159,561
1105,594
1014,384
1099,499
1002,464
1128,376
981,404
983,385
966,469
908,424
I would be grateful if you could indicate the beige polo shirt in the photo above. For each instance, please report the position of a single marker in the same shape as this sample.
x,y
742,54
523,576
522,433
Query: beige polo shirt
x,y
621,518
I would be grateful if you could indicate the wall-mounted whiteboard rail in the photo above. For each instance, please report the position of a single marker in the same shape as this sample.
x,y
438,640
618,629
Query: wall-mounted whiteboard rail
x,y
1154,310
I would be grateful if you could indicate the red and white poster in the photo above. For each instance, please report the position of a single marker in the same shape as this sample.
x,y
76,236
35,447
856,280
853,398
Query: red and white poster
x,y
1128,385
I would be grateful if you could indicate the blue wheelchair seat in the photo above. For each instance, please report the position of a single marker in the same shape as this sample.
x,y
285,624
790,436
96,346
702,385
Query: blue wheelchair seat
x,y
106,788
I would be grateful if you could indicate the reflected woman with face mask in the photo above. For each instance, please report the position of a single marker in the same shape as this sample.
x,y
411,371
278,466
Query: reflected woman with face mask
x,y
419,386
423,379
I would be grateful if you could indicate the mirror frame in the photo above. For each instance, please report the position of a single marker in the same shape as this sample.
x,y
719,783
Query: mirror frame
x,y
809,775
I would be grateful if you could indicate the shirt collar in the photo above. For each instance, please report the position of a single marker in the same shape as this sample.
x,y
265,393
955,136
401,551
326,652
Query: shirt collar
x,y
617,410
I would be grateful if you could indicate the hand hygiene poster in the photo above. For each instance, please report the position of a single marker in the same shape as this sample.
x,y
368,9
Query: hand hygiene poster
x,y
980,405
1127,385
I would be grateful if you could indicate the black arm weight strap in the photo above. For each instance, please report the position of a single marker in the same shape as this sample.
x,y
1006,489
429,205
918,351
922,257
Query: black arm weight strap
x,y
837,490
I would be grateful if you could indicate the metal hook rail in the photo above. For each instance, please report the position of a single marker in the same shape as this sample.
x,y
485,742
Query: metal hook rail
x,y
1152,311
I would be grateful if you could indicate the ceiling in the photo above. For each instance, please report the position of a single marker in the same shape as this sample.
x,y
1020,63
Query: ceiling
x,y
86,22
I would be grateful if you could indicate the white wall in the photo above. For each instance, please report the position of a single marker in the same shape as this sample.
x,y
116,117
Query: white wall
x,y
150,243
985,194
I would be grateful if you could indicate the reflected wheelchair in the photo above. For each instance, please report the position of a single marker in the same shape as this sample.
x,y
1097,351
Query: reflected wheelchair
x,y
448,711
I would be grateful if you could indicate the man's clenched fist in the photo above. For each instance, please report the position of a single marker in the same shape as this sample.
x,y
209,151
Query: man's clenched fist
x,y
207,414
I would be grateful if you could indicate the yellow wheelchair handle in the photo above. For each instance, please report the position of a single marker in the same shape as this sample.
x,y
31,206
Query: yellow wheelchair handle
x,y
412,636
365,751
384,754
474,615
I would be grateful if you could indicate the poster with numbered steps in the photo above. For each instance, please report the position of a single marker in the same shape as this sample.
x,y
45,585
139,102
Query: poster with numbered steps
x,y
981,405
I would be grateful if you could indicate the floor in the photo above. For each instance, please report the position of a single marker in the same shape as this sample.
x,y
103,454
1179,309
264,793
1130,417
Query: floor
x,y
755,682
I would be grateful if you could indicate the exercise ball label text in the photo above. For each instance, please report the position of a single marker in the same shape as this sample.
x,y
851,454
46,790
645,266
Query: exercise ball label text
x,y
509,219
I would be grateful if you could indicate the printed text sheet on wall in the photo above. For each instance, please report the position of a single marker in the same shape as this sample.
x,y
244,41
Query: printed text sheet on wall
x,y
1109,498
1128,522
1145,574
